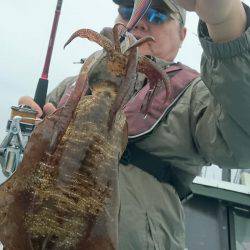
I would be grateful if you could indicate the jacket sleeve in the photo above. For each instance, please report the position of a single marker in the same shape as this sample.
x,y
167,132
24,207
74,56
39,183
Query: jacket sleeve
x,y
56,94
222,115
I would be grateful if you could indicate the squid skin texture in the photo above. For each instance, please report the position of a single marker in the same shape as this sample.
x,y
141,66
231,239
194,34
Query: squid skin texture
x,y
64,195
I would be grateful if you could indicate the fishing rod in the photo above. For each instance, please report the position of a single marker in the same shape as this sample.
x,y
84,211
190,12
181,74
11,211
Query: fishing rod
x,y
42,86
22,120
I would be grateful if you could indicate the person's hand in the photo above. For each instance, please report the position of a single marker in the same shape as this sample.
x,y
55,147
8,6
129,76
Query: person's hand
x,y
47,109
226,19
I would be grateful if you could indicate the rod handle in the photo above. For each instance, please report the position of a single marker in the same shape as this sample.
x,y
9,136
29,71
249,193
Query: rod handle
x,y
41,92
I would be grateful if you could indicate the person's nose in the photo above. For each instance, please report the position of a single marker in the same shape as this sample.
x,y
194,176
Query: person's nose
x,y
142,25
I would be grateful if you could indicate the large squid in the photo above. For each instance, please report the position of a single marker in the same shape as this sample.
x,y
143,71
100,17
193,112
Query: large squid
x,y
65,195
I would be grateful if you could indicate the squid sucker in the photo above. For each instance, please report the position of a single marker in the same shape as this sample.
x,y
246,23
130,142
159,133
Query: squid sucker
x,y
65,193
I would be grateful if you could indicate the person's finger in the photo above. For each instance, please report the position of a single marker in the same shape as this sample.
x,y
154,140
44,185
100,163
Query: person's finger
x,y
49,108
27,100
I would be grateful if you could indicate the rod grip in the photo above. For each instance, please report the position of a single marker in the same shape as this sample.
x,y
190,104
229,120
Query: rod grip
x,y
41,92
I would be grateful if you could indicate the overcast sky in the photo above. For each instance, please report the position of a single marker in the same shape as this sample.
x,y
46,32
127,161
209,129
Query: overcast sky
x,y
24,33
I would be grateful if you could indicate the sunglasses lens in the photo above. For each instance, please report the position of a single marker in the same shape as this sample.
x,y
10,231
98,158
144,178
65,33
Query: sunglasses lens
x,y
125,12
152,15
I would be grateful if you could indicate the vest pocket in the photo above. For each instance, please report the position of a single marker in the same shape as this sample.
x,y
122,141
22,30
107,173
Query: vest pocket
x,y
153,242
164,236
137,230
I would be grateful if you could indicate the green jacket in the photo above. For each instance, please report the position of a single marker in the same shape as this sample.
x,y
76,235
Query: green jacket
x,y
209,123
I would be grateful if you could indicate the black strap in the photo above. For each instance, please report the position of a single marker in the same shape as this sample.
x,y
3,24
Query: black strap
x,y
157,168
146,162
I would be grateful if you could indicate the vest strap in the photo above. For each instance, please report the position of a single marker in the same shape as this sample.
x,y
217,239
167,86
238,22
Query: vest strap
x,y
160,170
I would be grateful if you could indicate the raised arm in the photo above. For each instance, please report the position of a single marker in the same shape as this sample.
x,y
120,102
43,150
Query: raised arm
x,y
225,19
222,121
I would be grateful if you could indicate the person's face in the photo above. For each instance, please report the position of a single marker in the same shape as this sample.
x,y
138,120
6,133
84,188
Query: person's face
x,y
168,37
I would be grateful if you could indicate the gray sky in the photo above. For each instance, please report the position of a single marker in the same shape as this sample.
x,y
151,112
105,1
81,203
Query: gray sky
x,y
24,32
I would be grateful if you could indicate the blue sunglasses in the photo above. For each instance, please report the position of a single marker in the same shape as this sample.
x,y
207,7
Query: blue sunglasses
x,y
152,15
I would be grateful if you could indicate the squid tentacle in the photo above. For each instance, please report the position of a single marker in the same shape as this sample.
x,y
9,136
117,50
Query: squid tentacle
x,y
116,36
140,42
92,36
153,73
155,77
68,111
125,88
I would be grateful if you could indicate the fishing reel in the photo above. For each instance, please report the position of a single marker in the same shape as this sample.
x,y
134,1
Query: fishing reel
x,y
19,129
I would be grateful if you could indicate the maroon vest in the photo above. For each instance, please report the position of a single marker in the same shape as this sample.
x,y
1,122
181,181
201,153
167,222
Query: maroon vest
x,y
139,123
